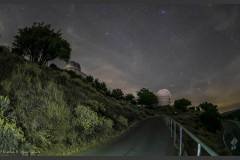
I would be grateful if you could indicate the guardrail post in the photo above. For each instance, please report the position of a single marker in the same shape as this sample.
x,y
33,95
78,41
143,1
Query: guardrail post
x,y
199,150
175,134
171,126
180,141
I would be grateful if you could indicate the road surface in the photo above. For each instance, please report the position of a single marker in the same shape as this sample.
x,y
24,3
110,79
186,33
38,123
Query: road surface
x,y
149,137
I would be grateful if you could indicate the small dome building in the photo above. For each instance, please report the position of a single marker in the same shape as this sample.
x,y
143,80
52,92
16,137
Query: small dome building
x,y
164,97
75,67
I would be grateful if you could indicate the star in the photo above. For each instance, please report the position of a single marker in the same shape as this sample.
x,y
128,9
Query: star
x,y
106,33
162,12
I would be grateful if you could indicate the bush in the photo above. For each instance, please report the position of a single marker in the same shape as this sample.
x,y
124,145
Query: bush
x,y
117,94
45,107
4,103
89,79
96,106
39,107
123,121
105,126
211,120
210,117
182,104
12,137
146,97
86,120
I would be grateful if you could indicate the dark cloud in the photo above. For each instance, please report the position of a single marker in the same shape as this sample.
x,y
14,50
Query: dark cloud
x,y
193,50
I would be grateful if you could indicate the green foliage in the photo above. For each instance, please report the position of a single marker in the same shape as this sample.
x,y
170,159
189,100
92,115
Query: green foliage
x,y
86,119
146,97
39,107
4,103
4,49
88,123
130,98
210,117
205,106
52,108
96,106
182,104
8,62
117,94
12,137
89,79
40,44
123,121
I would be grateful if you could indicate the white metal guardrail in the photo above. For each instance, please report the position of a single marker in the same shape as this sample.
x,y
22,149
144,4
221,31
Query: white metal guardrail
x,y
172,124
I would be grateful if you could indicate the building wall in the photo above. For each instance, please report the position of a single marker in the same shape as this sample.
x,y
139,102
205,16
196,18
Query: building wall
x,y
164,100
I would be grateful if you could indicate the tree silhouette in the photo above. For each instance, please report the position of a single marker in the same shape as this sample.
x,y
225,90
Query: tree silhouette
x,y
182,104
130,97
210,116
89,79
40,43
146,97
117,93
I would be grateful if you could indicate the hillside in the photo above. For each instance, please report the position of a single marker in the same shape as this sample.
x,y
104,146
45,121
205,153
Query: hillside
x,y
51,111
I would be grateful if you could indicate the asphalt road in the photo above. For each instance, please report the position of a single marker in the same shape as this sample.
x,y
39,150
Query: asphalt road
x,y
149,137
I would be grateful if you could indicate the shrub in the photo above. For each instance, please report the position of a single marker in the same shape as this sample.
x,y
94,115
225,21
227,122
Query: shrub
x,y
182,104
4,103
123,121
210,117
146,97
12,138
89,79
95,106
105,126
39,107
211,120
86,120
117,93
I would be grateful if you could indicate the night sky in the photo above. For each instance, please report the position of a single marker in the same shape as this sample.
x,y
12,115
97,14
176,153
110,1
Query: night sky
x,y
192,50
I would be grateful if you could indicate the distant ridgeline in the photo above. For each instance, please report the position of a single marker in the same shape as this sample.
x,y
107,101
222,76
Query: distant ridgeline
x,y
75,67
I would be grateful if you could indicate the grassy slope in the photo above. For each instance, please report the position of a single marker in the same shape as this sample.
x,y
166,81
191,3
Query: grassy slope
x,y
44,102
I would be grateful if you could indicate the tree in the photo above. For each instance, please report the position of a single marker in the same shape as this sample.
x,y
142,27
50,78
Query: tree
x,y
89,79
182,104
97,84
146,97
40,43
206,106
117,93
103,87
130,97
210,117
4,49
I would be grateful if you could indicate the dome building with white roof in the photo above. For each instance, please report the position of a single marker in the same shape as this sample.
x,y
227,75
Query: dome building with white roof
x,y
75,67
164,97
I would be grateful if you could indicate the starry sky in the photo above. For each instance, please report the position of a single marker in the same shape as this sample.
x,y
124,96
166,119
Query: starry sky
x,y
192,50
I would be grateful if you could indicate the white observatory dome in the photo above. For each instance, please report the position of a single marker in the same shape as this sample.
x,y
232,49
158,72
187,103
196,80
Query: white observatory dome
x,y
164,97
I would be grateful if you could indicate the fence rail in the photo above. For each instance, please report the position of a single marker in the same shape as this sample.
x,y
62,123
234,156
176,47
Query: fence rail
x,y
183,137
